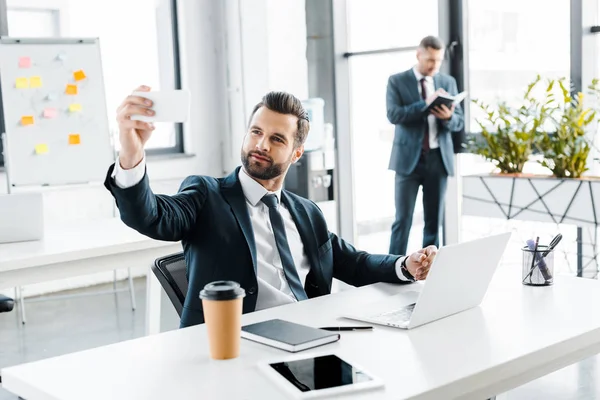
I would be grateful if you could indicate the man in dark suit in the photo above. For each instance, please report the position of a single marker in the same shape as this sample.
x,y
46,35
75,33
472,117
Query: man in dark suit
x,y
244,227
422,152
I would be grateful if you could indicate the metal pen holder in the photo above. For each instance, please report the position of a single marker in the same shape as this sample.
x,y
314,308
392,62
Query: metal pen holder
x,y
538,266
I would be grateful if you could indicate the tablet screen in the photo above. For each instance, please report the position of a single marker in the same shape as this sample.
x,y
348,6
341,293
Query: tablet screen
x,y
318,373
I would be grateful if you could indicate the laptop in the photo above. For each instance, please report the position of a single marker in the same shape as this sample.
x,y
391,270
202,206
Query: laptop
x,y
21,217
457,281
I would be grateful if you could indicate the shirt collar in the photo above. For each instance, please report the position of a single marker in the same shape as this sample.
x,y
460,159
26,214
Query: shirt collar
x,y
254,191
420,76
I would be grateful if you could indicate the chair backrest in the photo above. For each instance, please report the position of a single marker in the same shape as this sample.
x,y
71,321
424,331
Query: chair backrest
x,y
171,273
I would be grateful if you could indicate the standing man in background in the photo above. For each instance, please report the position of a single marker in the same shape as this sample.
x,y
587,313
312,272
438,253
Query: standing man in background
x,y
422,153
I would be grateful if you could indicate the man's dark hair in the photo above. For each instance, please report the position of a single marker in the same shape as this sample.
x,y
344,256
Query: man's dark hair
x,y
431,42
285,103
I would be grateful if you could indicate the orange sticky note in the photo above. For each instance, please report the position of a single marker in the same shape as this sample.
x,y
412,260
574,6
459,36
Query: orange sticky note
x,y
41,148
71,89
75,107
79,75
24,62
35,82
22,83
74,139
49,112
27,120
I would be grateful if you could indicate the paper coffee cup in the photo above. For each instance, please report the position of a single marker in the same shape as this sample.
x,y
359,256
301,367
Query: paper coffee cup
x,y
222,304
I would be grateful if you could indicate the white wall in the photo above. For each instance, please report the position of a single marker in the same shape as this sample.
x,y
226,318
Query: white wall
x,y
203,74
267,38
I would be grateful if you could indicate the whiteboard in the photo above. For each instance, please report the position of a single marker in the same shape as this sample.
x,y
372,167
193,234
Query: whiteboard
x,y
54,107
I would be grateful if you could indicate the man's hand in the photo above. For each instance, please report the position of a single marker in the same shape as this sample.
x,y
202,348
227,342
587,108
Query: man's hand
x,y
435,94
418,263
442,112
133,135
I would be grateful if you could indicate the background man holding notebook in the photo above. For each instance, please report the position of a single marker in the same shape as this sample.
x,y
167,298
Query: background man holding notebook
x,y
422,152
244,227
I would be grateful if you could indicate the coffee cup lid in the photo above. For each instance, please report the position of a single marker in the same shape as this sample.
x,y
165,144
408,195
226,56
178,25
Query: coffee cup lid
x,y
222,290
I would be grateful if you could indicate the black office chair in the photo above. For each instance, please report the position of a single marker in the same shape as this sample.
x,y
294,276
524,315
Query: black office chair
x,y
6,304
171,273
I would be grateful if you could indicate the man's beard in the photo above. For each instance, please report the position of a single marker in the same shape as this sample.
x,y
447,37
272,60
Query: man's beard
x,y
270,171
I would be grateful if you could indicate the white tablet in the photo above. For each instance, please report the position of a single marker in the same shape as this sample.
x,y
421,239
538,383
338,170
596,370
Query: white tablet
x,y
324,375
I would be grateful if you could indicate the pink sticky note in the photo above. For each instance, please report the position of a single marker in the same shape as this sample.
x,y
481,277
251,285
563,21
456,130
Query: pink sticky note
x,y
24,62
49,112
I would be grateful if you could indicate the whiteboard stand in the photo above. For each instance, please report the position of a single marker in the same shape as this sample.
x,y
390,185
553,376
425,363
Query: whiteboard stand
x,y
18,289
49,65
6,165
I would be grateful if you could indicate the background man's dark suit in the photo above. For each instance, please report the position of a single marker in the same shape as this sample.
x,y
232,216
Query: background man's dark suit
x,y
413,167
211,219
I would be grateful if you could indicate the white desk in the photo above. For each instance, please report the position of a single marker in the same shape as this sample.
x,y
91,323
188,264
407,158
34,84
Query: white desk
x,y
84,248
518,334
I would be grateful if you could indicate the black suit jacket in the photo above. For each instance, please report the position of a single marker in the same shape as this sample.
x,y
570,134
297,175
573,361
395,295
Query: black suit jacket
x,y
210,217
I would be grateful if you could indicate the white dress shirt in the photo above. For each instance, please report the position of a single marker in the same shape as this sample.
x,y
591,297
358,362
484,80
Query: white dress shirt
x,y
429,89
273,288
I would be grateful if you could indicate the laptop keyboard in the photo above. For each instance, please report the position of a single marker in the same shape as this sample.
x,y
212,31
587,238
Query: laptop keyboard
x,y
395,316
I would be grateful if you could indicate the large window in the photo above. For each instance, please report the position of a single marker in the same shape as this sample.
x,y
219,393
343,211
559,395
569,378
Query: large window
x,y
382,38
138,43
510,42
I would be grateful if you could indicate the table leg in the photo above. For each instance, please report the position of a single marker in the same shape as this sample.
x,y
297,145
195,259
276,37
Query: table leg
x,y
153,296
579,251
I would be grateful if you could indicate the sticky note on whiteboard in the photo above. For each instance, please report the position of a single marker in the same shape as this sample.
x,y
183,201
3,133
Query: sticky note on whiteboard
x,y
71,89
27,120
22,83
35,82
75,107
74,139
49,112
41,148
24,62
79,75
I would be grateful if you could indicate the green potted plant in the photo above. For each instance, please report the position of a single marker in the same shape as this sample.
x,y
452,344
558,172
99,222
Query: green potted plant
x,y
566,148
510,134
557,125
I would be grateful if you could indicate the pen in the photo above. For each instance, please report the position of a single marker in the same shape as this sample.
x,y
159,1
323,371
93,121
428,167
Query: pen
x,y
347,328
537,241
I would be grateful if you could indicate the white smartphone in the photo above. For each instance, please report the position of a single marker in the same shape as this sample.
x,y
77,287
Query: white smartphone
x,y
169,106
309,377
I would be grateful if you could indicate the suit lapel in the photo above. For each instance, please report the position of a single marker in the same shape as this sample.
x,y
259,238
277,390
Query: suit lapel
x,y
412,85
231,189
437,82
307,234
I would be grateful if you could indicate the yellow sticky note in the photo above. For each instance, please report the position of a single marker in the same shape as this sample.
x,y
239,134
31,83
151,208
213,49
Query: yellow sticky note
x,y
74,139
35,81
75,107
27,120
71,89
22,83
79,75
41,148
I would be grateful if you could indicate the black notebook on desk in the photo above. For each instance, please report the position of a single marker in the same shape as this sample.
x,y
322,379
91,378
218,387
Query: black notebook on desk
x,y
287,335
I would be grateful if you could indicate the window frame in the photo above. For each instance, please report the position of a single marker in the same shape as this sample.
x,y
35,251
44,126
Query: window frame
x,y
175,150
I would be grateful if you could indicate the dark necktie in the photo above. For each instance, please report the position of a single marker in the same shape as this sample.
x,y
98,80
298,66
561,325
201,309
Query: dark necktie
x,y
289,269
425,145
